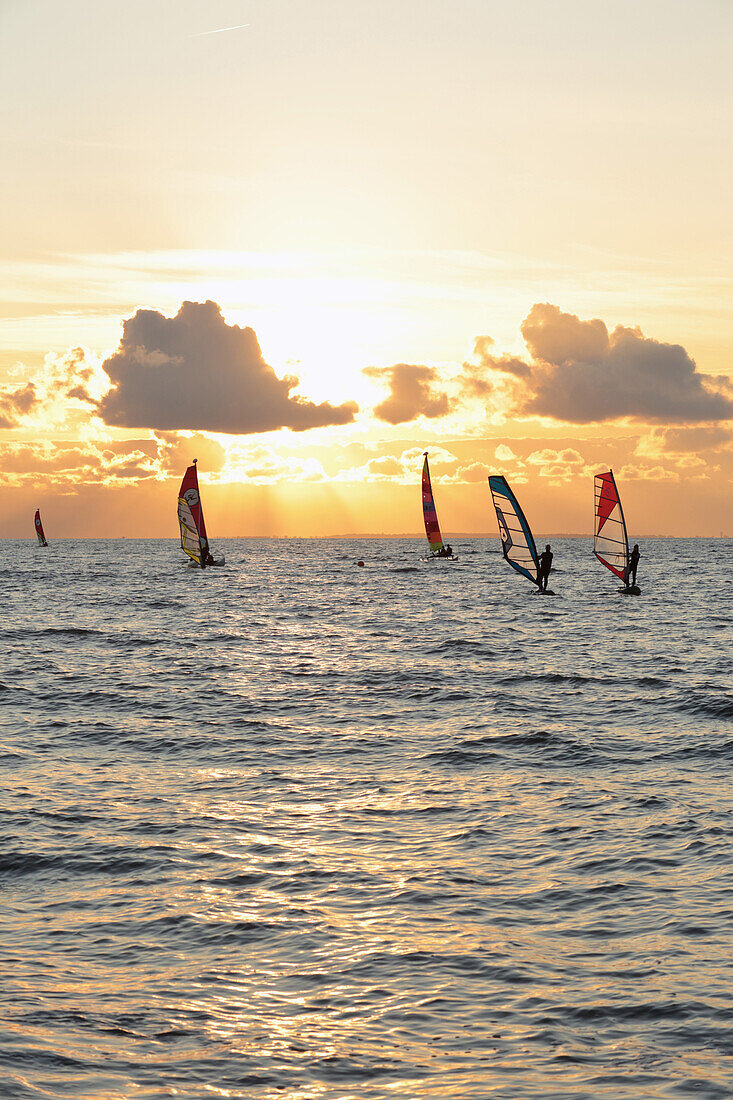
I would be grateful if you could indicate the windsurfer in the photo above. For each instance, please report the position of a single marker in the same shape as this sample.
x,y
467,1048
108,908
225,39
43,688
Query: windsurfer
x,y
544,565
633,566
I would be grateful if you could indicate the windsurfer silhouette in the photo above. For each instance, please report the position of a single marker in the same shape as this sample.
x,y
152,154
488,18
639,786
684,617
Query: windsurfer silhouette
x,y
633,566
206,556
544,565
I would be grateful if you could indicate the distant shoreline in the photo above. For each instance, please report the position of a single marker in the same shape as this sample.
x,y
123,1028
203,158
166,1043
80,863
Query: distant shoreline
x,y
539,536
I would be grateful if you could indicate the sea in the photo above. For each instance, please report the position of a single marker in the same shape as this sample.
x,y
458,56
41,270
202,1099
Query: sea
x,y
299,829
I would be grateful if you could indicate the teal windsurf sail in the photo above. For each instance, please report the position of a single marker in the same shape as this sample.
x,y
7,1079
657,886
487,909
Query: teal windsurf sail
x,y
517,541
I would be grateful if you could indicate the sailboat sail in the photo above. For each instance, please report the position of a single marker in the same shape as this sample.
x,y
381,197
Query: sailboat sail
x,y
516,538
191,517
432,530
39,529
610,541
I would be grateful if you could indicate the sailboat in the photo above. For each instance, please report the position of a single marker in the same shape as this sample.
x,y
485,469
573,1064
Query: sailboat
x,y
42,541
517,540
610,540
432,529
194,540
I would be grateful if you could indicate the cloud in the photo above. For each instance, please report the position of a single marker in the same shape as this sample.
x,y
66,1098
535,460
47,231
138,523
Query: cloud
x,y
505,454
660,442
580,373
68,466
16,404
647,473
195,371
263,465
63,394
176,452
411,393
475,379
564,464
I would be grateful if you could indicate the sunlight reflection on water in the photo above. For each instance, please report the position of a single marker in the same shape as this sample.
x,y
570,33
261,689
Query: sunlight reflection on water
x,y
300,830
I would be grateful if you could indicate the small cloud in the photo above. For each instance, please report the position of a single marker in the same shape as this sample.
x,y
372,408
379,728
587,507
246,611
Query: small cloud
x,y
648,473
661,442
505,454
411,393
15,404
566,457
473,474
178,450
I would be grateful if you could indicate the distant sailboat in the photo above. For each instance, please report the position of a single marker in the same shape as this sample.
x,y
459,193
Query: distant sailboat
x,y
610,540
194,540
39,529
432,529
517,540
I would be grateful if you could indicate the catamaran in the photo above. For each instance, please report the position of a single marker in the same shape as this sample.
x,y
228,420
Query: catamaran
x,y
194,540
42,541
610,540
432,529
517,540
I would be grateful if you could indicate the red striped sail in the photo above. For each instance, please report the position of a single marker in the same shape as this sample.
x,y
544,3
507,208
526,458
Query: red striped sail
x,y
610,541
39,529
432,530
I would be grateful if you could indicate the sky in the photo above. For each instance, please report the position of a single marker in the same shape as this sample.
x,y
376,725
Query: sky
x,y
304,242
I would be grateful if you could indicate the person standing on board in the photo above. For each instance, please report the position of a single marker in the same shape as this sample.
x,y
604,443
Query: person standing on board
x,y
633,566
544,565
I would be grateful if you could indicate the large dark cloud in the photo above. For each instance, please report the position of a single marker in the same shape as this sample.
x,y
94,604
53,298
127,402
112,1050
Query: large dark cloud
x,y
581,373
411,393
195,371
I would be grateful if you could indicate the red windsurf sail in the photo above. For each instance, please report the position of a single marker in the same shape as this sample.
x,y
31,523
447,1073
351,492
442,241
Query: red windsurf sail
x,y
191,517
610,541
39,529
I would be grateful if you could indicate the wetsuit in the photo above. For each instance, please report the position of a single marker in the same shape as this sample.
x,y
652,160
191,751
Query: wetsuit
x,y
543,569
633,566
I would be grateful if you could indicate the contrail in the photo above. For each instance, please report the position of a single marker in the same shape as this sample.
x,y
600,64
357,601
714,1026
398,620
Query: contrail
x,y
219,30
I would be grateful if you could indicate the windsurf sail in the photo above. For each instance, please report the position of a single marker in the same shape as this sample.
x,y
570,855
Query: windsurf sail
x,y
517,540
191,518
432,530
39,529
610,541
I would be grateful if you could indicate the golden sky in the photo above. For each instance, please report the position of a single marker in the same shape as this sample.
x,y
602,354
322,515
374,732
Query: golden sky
x,y
308,248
